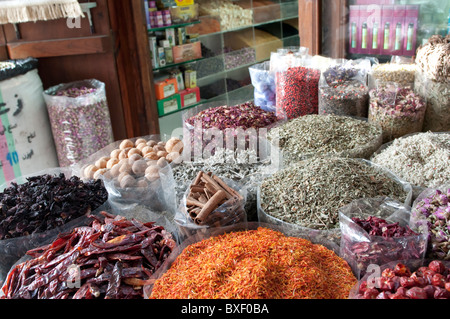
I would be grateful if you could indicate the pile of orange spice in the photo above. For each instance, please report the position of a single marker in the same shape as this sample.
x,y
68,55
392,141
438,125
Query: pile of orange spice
x,y
255,264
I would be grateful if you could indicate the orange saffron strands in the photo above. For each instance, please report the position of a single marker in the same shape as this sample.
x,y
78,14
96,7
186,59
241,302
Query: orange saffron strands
x,y
256,264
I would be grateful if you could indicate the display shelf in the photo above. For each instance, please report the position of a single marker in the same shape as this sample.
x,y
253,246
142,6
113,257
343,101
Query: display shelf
x,y
184,108
174,65
174,26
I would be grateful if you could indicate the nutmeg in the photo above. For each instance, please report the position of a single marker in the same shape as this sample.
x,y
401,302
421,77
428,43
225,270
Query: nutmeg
x,y
142,182
115,153
152,170
139,167
161,154
89,171
121,176
158,148
125,167
124,153
127,181
133,151
101,162
133,158
151,156
146,149
140,146
152,143
162,162
115,170
99,173
139,141
174,157
113,161
174,145
152,177
126,144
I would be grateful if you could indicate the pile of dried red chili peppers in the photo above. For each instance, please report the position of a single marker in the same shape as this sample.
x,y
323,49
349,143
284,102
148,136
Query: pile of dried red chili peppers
x,y
113,258
255,264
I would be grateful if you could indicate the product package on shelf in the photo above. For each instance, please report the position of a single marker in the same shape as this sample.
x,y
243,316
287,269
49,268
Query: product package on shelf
x,y
137,170
343,88
210,202
263,82
39,206
26,140
397,109
433,82
375,231
80,119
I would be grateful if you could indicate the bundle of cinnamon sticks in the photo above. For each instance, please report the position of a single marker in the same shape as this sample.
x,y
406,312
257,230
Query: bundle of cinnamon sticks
x,y
207,193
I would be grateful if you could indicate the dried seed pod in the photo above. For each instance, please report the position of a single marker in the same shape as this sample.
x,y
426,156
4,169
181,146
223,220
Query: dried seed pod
x,y
113,161
139,167
127,181
126,144
115,153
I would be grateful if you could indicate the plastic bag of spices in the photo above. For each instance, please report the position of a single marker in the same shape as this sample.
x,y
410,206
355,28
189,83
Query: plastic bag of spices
x,y
210,202
137,170
437,95
343,89
80,119
263,82
253,238
397,109
42,205
375,231
297,85
399,70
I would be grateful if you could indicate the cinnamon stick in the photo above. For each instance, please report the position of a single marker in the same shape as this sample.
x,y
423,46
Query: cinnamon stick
x,y
212,204
227,188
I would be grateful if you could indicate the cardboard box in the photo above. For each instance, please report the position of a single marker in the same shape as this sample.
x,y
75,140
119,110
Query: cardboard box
x,y
186,52
190,96
353,29
399,22
169,105
190,79
166,88
374,25
364,14
264,43
410,37
388,28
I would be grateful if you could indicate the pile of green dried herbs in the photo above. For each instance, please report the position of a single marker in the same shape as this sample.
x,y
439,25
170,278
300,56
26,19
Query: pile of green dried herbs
x,y
309,193
326,135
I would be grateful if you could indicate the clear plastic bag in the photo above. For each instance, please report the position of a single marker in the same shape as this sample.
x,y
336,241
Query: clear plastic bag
x,y
343,89
429,214
263,82
389,286
213,232
397,109
437,95
135,175
332,234
11,250
410,166
399,70
230,212
81,124
361,249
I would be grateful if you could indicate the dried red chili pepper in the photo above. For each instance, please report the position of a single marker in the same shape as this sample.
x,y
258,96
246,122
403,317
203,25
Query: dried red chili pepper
x,y
113,258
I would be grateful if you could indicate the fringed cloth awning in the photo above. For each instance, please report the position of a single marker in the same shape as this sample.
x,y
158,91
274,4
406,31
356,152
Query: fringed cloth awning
x,y
18,11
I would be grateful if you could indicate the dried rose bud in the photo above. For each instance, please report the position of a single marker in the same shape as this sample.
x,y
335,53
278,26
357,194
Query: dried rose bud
x,y
437,266
416,293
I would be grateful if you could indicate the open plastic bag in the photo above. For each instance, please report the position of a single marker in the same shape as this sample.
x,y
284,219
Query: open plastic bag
x,y
263,82
430,213
361,249
437,95
399,70
134,173
384,281
13,249
397,109
231,212
343,89
80,119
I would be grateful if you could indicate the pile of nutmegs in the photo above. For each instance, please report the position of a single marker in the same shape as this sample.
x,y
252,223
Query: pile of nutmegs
x,y
135,164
